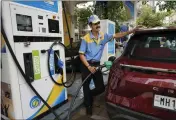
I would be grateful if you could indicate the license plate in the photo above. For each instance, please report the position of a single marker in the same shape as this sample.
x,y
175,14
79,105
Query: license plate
x,y
165,102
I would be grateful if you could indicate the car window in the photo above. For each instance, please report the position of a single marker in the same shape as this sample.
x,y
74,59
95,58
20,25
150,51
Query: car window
x,y
155,42
159,47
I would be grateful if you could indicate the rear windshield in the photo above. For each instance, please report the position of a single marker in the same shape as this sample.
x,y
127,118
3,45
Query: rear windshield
x,y
159,46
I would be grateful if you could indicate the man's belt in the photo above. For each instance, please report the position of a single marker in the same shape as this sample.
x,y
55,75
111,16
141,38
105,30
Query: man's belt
x,y
93,62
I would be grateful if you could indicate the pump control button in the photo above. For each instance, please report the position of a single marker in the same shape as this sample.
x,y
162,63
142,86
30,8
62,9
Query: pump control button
x,y
54,17
40,17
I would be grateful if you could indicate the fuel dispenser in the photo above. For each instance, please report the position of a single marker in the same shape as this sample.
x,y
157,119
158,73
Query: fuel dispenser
x,y
31,28
108,26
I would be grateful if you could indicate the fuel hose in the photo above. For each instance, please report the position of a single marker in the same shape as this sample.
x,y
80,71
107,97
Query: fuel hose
x,y
107,64
70,81
73,74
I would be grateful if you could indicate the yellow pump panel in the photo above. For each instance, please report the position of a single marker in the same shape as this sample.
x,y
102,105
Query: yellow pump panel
x,y
66,35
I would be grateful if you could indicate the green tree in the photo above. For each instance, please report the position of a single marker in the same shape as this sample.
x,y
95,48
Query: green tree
x,y
82,15
112,10
148,18
167,5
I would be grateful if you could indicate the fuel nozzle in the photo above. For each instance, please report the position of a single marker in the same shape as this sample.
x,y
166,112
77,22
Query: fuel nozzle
x,y
60,63
108,64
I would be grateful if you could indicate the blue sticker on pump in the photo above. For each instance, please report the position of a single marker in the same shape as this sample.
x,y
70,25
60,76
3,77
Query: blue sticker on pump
x,y
51,61
50,5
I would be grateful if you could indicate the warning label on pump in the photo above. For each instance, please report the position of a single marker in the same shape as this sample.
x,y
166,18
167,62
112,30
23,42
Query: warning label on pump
x,y
36,64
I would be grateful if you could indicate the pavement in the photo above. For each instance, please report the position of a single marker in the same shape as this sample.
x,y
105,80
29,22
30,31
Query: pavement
x,y
99,110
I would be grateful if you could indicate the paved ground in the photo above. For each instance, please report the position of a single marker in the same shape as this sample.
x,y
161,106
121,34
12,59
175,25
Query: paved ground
x,y
99,111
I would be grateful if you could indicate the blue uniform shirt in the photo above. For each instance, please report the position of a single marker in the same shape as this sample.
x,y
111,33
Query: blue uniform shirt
x,y
92,48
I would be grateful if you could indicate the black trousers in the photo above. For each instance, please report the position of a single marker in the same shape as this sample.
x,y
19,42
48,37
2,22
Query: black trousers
x,y
98,82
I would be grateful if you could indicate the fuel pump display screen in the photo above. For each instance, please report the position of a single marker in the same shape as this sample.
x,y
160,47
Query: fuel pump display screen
x,y
53,26
24,22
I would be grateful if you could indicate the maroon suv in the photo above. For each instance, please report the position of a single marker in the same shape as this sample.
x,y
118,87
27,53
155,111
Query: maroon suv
x,y
142,82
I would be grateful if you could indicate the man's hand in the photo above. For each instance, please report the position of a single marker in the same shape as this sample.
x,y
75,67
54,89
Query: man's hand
x,y
92,69
122,34
171,27
137,28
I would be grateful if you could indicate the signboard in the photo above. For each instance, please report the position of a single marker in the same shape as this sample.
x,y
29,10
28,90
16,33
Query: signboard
x,y
130,8
111,44
46,4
